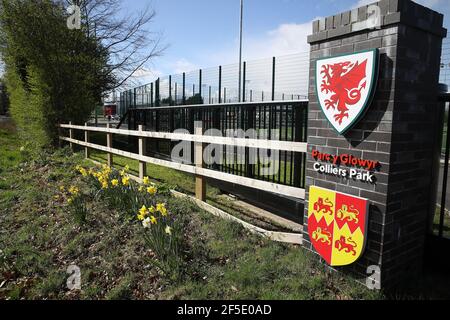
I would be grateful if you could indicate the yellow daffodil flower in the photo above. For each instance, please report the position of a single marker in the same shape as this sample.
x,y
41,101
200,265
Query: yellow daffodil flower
x,y
74,190
114,182
146,181
151,190
161,207
83,172
143,210
153,220
126,181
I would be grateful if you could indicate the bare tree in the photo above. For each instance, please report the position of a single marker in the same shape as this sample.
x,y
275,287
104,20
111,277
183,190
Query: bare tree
x,y
127,38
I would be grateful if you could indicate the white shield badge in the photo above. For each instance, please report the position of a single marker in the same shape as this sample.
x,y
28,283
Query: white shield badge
x,y
345,85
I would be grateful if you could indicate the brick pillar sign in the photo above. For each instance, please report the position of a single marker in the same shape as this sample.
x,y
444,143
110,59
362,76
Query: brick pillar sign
x,y
373,112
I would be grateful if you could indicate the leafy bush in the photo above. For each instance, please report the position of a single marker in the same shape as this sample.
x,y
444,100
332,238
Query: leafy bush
x,y
53,74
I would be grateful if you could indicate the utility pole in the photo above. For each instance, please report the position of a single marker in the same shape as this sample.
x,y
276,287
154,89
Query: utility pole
x,y
240,51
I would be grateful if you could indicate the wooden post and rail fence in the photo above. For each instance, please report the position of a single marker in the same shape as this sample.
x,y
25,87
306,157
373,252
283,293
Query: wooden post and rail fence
x,y
197,169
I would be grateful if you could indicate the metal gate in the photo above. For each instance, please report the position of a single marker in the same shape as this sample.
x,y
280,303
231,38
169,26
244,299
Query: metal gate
x,y
441,220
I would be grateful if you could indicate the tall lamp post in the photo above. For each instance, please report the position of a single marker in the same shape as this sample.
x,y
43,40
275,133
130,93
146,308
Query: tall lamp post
x,y
240,52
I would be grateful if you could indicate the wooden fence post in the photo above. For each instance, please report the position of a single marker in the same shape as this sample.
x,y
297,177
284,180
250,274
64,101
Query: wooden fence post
x,y
200,182
60,141
142,148
86,139
71,135
109,138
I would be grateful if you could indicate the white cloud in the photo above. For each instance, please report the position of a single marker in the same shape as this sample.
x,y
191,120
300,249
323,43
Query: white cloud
x,y
361,3
143,73
142,76
287,39
183,65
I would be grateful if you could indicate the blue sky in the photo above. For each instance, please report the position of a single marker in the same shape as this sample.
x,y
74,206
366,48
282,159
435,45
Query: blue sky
x,y
203,33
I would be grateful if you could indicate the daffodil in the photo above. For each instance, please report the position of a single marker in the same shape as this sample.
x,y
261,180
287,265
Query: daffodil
x,y
105,185
83,172
62,188
168,230
153,220
147,223
74,190
114,182
161,207
152,190
126,181
146,181
143,210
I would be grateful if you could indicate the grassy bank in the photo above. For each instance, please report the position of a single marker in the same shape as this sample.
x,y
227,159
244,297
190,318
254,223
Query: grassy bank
x,y
40,238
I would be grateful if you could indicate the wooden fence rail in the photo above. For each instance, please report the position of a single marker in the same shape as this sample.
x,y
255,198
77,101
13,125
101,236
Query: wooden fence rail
x,y
197,169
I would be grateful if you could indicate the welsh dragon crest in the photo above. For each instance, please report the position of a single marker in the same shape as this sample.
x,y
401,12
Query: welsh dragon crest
x,y
345,85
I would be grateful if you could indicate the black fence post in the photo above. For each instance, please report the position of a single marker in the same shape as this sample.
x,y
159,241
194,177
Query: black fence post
x,y
244,81
176,94
200,83
170,91
184,88
250,157
151,95
157,93
210,95
273,78
298,135
220,84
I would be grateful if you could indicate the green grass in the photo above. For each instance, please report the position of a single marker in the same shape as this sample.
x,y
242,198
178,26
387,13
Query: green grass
x,y
436,223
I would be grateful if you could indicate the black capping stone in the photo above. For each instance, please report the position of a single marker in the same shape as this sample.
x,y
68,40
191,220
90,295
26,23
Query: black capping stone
x,y
399,12
316,26
329,22
345,18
